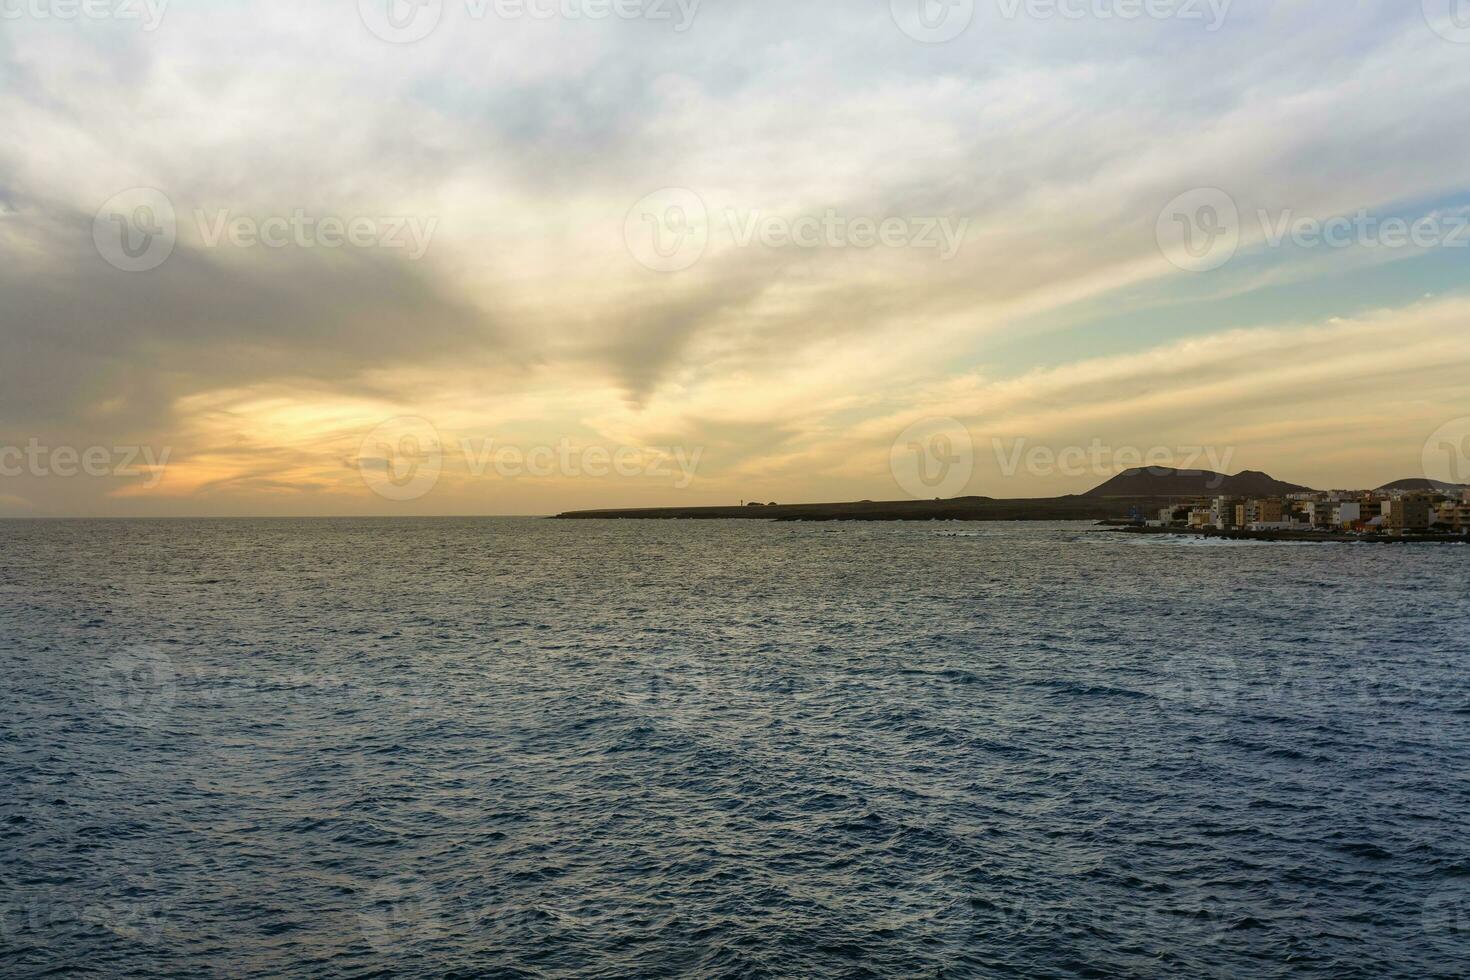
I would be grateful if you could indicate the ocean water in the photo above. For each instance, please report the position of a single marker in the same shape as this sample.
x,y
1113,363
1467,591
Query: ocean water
x,y
540,749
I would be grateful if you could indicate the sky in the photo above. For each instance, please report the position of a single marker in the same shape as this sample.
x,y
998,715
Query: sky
x,y
506,257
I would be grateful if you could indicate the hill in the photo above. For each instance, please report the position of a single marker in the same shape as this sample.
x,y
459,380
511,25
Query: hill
x,y
1163,481
1421,485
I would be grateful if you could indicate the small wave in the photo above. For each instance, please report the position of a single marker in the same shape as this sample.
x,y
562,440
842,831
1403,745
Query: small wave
x,y
1190,540
1083,690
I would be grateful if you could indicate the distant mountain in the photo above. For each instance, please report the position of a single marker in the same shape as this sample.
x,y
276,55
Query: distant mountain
x,y
1421,485
1162,481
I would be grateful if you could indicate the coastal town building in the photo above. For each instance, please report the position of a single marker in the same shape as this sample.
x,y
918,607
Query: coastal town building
x,y
1268,511
1338,511
1453,514
1407,513
1320,512
1222,512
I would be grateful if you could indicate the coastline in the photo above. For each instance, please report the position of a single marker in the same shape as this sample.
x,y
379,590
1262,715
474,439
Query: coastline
x,y
1313,537
1075,508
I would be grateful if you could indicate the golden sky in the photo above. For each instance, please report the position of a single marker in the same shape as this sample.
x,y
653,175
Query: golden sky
x,y
737,252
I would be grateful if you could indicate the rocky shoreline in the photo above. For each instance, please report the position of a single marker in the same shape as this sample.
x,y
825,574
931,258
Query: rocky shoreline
x,y
1318,537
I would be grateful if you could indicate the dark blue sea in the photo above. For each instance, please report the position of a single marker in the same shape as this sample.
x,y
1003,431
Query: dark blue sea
x,y
523,748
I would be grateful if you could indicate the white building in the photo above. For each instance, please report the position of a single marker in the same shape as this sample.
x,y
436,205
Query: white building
x,y
1320,513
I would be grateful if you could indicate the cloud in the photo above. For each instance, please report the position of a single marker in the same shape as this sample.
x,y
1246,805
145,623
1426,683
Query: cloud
x,y
86,342
529,141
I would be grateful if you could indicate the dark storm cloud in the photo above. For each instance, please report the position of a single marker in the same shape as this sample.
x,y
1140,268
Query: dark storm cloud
x,y
77,334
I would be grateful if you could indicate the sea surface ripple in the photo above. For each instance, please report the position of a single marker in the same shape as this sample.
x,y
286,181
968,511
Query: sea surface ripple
x,y
541,749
